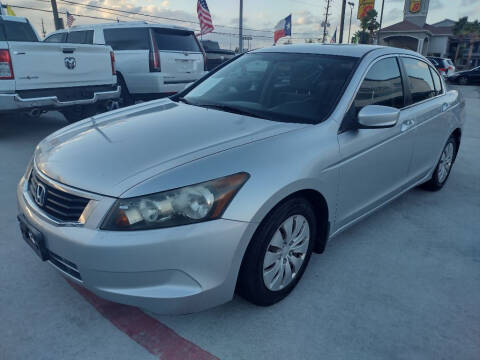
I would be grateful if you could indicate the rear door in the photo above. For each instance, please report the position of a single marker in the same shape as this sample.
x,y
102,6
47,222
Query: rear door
x,y
180,55
429,104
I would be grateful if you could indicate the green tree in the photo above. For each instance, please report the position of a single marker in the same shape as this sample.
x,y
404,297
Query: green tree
x,y
467,32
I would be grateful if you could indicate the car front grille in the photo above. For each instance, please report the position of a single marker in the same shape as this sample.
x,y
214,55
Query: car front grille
x,y
60,205
65,265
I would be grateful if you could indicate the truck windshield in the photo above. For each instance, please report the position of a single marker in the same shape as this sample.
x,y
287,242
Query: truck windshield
x,y
285,87
17,31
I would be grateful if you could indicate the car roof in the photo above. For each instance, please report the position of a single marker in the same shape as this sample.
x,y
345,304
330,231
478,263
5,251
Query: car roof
x,y
125,24
13,18
336,49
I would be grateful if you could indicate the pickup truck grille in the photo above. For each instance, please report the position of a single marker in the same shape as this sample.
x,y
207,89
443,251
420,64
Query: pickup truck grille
x,y
67,94
59,204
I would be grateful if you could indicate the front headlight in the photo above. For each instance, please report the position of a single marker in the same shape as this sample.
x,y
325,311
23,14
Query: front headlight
x,y
186,205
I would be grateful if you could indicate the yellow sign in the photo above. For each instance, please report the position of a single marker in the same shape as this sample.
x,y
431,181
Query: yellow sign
x,y
415,5
364,6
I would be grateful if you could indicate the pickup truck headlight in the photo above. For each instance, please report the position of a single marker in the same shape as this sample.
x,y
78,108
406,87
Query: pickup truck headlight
x,y
186,205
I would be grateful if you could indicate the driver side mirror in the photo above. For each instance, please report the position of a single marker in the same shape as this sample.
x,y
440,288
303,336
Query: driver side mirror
x,y
378,117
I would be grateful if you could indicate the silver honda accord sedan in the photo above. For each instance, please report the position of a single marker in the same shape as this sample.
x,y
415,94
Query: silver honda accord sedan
x,y
230,186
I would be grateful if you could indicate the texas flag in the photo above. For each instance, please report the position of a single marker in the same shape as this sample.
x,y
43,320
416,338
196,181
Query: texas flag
x,y
283,28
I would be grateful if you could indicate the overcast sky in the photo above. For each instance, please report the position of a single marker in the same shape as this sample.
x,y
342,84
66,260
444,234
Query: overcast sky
x,y
258,14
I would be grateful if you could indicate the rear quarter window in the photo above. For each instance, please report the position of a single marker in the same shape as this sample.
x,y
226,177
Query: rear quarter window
x,y
56,38
127,38
18,31
175,40
80,37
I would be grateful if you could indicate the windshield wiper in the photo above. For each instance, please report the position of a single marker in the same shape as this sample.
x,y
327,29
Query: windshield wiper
x,y
232,109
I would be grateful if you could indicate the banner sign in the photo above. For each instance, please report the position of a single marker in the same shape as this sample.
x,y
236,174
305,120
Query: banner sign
x,y
364,6
415,5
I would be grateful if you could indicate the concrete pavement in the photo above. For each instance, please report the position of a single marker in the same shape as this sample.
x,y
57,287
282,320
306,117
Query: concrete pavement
x,y
402,284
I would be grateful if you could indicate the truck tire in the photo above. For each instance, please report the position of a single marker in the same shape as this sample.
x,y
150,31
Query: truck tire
x,y
77,113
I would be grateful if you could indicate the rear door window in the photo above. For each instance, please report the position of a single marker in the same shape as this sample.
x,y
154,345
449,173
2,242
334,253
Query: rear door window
x,y
19,31
80,37
127,38
420,80
382,86
56,38
175,40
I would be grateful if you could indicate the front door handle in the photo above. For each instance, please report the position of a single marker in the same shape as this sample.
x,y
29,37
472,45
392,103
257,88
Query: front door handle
x,y
407,124
444,107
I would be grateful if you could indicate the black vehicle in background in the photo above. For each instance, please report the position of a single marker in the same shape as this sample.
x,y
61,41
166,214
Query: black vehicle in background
x,y
215,55
444,66
471,76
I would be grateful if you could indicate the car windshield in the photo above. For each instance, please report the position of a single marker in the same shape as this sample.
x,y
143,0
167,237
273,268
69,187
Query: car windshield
x,y
285,87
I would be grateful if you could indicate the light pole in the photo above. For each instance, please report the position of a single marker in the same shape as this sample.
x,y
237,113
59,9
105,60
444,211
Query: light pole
x,y
240,29
342,21
350,26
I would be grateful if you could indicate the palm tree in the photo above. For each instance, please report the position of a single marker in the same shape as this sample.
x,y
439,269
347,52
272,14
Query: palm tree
x,y
466,30
369,22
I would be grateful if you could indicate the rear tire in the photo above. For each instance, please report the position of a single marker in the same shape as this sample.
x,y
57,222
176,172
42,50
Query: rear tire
x,y
126,99
77,113
463,80
444,166
278,253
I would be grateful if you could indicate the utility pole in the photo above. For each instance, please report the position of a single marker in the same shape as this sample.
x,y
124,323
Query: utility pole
x,y
381,19
350,26
325,23
56,19
240,28
43,29
342,21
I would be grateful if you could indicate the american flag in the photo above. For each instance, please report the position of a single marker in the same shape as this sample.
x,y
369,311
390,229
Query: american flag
x,y
70,19
204,17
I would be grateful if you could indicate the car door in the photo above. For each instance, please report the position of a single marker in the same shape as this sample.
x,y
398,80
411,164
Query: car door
x,y
427,100
374,162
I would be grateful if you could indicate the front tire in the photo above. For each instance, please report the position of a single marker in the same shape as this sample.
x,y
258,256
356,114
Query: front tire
x,y
278,253
444,166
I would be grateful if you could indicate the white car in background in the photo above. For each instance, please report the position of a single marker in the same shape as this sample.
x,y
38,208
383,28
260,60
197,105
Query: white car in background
x,y
152,60
78,80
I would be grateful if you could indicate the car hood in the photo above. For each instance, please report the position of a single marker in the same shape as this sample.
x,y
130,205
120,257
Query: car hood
x,y
111,153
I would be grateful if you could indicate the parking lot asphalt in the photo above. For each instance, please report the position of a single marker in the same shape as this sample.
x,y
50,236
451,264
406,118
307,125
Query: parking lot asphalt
x,y
402,284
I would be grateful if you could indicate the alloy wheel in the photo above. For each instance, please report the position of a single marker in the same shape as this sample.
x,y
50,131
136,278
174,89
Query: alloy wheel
x,y
446,161
286,252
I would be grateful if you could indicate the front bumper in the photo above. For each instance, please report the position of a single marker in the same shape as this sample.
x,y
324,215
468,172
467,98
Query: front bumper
x,y
14,101
167,271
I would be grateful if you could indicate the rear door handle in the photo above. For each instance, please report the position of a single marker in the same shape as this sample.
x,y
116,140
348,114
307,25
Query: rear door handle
x,y
407,124
19,53
444,107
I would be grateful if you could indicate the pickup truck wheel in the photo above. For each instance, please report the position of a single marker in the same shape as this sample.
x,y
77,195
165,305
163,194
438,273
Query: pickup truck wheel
x,y
77,113
278,253
126,99
444,166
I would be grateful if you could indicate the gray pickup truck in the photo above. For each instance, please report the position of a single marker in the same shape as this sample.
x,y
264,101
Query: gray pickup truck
x,y
215,55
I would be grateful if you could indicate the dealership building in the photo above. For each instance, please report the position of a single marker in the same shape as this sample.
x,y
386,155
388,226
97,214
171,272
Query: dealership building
x,y
427,39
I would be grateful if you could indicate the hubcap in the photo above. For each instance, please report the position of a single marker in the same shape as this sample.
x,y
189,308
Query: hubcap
x,y
445,164
286,252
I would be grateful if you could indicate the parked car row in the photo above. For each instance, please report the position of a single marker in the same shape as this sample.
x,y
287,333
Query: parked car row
x,y
36,77
87,69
